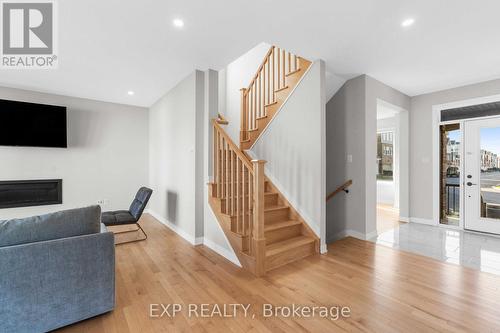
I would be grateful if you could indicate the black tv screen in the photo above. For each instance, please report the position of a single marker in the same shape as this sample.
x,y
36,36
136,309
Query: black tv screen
x,y
32,125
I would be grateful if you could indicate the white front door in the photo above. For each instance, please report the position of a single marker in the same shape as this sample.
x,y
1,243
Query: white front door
x,y
482,175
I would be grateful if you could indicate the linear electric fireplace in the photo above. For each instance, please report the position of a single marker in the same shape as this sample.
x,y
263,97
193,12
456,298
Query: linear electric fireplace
x,y
24,193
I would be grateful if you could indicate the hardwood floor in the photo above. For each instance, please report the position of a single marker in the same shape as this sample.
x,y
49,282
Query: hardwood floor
x,y
387,290
387,218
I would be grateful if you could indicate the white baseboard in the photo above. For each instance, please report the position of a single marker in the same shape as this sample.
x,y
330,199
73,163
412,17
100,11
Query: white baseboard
x,y
337,236
404,219
229,255
356,234
323,249
352,233
371,235
422,221
307,219
191,239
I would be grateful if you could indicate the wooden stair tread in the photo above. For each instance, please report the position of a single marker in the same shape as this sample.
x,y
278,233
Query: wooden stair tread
x,y
293,72
275,207
280,89
288,244
279,225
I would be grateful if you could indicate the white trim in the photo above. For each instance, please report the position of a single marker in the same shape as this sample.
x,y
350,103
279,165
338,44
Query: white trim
x,y
191,239
338,236
400,190
371,235
404,219
352,233
323,248
436,122
391,106
229,255
422,221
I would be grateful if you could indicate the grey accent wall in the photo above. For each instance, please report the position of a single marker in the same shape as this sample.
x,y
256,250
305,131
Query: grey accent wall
x,y
351,131
376,90
345,135
421,159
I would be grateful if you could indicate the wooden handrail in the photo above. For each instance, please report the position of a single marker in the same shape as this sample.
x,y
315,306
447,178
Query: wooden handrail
x,y
270,78
234,147
260,67
221,120
239,184
339,189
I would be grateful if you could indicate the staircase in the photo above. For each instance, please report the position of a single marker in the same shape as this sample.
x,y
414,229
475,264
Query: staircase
x,y
274,81
264,230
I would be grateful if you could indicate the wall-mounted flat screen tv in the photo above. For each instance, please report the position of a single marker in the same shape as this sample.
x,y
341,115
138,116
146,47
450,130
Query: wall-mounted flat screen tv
x,y
32,125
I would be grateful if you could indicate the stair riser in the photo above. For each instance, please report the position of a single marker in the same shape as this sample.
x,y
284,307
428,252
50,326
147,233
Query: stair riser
x,y
280,97
289,256
276,215
269,201
278,235
229,185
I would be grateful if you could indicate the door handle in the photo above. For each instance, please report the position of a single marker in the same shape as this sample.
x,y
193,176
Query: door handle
x,y
470,184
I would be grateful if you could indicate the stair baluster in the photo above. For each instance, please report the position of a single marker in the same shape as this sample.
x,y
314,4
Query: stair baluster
x,y
279,71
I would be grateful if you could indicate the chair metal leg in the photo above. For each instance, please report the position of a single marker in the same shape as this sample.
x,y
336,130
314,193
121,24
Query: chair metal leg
x,y
135,240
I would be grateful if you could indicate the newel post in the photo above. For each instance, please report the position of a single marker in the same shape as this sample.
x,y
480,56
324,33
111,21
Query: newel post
x,y
258,239
244,116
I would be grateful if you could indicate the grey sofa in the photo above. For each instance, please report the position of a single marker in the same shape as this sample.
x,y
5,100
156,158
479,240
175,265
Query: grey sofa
x,y
55,269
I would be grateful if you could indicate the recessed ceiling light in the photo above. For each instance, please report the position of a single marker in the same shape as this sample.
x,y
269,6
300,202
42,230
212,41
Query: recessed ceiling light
x,y
131,93
178,23
407,22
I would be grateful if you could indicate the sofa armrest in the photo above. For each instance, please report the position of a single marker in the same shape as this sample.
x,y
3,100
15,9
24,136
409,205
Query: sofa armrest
x,y
50,284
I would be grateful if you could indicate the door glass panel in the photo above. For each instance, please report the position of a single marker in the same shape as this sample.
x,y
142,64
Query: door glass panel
x,y
490,172
385,153
450,174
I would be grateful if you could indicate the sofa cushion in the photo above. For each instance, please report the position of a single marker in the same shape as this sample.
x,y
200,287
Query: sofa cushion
x,y
117,217
68,223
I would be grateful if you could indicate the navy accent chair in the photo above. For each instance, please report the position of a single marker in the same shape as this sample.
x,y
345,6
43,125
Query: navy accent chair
x,y
130,216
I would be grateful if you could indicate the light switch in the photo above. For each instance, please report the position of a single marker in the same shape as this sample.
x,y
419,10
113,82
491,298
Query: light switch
x,y
349,158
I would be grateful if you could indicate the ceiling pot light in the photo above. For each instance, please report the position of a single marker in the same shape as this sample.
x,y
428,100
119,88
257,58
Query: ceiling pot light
x,y
178,23
408,22
130,93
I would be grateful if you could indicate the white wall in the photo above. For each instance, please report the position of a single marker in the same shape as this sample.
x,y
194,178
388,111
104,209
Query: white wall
x,y
293,146
106,158
235,76
176,155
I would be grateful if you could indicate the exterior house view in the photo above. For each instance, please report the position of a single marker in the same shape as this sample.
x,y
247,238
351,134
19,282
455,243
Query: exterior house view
x,y
229,166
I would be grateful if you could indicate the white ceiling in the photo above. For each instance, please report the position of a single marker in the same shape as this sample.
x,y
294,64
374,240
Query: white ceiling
x,y
107,48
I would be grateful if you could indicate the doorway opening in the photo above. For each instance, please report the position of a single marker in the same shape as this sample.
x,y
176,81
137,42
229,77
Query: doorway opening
x,y
449,171
467,171
391,143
